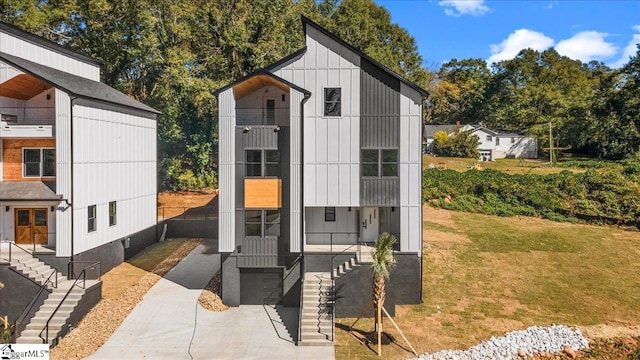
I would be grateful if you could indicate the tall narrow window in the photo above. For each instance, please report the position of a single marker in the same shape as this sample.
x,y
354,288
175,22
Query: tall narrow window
x,y
369,163
272,163
270,112
112,213
272,223
91,218
253,223
332,102
330,214
389,162
254,163
498,141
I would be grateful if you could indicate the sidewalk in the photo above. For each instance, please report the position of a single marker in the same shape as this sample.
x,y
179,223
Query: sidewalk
x,y
162,325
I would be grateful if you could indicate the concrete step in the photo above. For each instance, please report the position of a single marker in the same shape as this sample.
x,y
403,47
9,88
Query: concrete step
x,y
314,335
40,320
50,308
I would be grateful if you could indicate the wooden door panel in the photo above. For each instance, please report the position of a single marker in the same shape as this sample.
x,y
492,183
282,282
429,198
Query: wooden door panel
x,y
30,224
23,226
40,228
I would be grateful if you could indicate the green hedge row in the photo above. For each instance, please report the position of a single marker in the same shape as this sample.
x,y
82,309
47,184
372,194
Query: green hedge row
x,y
595,196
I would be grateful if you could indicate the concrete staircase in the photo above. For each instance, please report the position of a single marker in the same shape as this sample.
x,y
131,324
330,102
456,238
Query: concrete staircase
x,y
39,272
317,310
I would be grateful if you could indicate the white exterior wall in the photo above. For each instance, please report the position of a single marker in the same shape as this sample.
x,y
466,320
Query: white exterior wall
x,y
114,159
410,170
12,45
226,177
63,173
295,175
331,144
343,231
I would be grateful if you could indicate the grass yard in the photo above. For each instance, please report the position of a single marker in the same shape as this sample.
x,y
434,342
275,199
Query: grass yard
x,y
513,166
487,275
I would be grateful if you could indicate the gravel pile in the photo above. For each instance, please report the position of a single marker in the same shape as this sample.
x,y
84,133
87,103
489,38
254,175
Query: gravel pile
x,y
518,344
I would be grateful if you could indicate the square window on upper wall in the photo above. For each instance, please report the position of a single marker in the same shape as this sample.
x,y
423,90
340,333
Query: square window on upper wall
x,y
332,102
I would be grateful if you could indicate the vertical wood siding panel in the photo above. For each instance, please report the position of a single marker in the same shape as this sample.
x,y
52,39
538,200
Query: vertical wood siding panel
x,y
63,173
226,227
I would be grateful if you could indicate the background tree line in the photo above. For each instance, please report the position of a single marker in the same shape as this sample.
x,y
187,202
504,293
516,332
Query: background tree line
x,y
592,108
172,55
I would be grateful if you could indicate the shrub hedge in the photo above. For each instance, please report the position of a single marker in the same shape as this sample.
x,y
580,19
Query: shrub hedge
x,y
607,195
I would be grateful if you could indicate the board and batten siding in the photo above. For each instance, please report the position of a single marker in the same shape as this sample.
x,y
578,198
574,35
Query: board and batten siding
x,y
63,173
295,175
114,159
12,45
331,144
226,162
410,170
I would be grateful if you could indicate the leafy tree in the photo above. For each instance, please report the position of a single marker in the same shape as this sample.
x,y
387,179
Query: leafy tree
x,y
462,144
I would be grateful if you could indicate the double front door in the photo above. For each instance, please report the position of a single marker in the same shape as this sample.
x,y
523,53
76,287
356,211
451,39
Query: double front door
x,y
31,225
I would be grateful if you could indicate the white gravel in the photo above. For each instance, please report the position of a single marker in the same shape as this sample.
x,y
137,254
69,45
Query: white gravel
x,y
534,340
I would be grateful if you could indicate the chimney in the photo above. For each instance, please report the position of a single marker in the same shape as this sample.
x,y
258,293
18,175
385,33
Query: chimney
x,y
458,127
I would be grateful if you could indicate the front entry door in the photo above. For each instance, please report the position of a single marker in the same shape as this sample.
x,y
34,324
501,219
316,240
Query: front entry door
x,y
370,224
31,224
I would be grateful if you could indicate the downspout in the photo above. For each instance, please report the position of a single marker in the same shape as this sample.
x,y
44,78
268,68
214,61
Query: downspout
x,y
304,100
73,99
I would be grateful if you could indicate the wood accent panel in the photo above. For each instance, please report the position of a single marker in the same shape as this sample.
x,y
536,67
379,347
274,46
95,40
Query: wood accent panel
x,y
262,193
23,87
254,83
12,157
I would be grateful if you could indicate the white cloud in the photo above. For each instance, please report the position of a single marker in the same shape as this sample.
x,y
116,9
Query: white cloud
x,y
464,7
586,46
629,50
518,40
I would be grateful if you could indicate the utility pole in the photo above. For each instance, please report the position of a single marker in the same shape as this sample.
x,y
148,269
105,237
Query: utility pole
x,y
550,145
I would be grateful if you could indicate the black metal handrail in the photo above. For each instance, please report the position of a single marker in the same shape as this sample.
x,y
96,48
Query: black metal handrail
x,y
304,271
18,324
92,265
83,274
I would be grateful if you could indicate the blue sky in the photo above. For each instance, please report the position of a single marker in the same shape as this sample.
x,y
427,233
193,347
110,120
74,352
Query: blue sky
x,y
497,30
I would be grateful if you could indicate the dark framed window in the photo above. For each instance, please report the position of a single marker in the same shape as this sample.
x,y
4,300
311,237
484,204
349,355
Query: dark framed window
x,y
91,218
112,213
262,163
9,119
513,140
332,102
497,141
253,223
389,162
379,162
489,138
38,162
330,214
262,223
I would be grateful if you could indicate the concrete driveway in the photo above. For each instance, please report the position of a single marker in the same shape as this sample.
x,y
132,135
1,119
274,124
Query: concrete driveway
x,y
170,324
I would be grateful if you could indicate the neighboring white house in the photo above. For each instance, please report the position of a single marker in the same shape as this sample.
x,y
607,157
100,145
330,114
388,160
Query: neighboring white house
x,y
319,154
492,144
77,157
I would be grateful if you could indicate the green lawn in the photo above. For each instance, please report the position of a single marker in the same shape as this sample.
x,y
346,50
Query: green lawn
x,y
513,166
487,275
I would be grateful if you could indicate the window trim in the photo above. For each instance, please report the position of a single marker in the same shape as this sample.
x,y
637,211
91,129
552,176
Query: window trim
x,y
263,164
489,138
263,222
380,163
91,218
325,102
41,162
113,216
330,214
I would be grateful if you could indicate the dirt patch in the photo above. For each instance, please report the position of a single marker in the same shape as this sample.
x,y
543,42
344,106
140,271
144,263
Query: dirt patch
x,y
210,298
98,325
609,331
173,204
439,216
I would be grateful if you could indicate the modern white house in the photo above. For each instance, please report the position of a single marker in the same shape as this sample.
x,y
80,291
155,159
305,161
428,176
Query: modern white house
x,y
319,154
77,157
492,144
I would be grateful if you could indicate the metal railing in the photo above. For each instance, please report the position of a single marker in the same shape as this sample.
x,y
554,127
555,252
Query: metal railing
x,y
334,239
93,265
262,116
186,213
71,274
20,323
34,245
304,271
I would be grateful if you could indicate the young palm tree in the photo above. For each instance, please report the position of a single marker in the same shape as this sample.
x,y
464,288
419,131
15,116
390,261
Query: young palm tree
x,y
382,263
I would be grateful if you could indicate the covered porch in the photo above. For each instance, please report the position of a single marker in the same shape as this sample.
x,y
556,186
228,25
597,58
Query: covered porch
x,y
348,229
28,213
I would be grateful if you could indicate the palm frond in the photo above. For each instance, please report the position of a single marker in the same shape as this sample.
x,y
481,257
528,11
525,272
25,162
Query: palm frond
x,y
383,255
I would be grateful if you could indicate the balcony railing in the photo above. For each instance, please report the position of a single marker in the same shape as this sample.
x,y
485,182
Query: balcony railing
x,y
262,116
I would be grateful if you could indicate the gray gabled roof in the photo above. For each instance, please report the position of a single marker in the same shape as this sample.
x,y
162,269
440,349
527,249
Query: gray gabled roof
x,y
40,41
75,85
28,191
